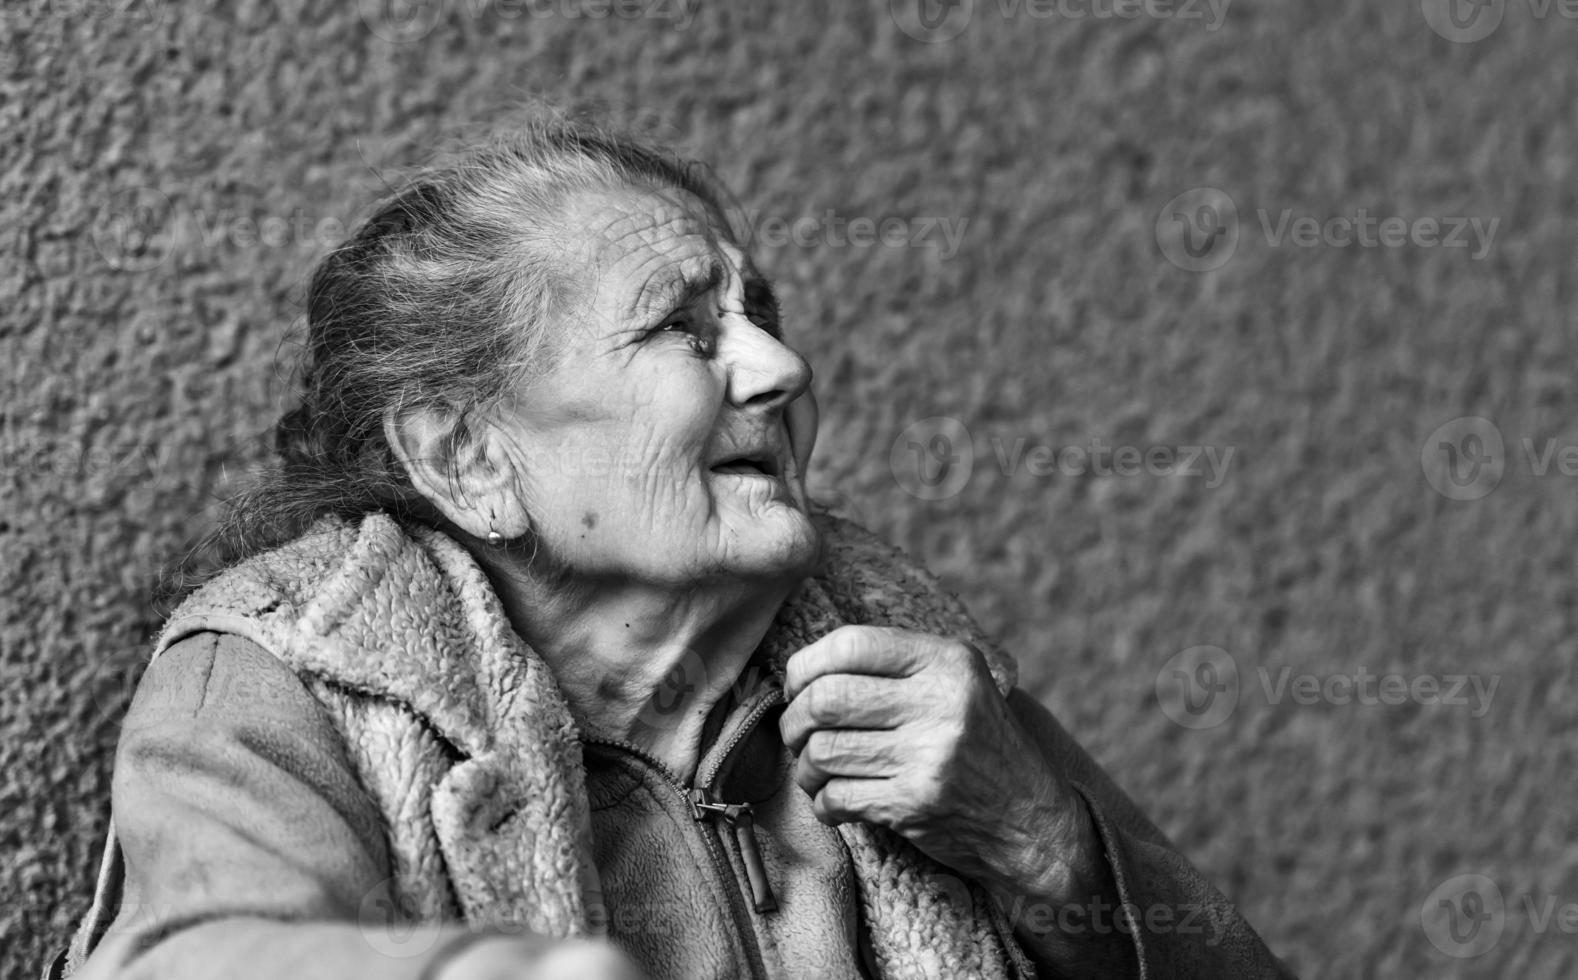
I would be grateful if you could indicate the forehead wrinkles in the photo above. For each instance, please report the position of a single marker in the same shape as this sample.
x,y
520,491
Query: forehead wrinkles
x,y
639,245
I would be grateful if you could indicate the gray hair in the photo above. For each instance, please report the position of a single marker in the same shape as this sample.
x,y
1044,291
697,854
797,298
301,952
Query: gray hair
x,y
444,297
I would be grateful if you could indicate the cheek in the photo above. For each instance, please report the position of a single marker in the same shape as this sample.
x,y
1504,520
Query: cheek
x,y
628,460
648,475
666,439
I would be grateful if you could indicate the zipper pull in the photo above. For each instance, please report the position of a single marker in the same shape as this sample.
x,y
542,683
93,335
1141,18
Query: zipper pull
x,y
740,817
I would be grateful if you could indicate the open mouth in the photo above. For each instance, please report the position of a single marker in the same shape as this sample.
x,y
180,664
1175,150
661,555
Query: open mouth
x,y
748,466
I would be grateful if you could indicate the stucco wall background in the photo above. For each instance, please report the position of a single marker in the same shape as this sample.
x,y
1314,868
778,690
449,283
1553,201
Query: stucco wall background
x,y
143,315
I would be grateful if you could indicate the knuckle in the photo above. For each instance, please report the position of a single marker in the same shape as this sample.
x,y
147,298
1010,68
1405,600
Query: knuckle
x,y
826,696
819,747
861,639
814,699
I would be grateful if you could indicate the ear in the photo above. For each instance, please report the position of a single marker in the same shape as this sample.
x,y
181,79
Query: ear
x,y
466,472
802,417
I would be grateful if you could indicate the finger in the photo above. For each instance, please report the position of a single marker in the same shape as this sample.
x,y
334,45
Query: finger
x,y
849,753
878,650
844,800
848,701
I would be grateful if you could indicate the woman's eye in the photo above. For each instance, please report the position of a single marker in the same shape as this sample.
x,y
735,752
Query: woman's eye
x,y
686,324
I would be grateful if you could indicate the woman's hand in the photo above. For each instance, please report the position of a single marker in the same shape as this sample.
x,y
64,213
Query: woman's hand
x,y
908,730
507,958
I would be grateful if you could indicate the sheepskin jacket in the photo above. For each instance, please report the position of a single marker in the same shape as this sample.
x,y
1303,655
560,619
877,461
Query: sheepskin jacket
x,y
466,748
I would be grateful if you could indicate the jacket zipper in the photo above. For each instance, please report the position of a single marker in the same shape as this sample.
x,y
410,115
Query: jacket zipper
x,y
720,862
740,816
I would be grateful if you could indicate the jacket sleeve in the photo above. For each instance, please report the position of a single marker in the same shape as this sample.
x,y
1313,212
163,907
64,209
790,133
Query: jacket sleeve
x,y
1182,927
247,846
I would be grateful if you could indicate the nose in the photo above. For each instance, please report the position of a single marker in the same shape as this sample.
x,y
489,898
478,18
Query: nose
x,y
764,372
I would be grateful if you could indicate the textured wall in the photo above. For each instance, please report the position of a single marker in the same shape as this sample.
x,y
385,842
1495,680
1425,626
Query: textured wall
x,y
143,315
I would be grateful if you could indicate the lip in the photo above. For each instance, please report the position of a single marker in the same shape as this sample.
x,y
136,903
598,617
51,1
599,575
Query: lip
x,y
747,466
766,460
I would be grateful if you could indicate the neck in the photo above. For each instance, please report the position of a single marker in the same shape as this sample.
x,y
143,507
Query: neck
x,y
640,662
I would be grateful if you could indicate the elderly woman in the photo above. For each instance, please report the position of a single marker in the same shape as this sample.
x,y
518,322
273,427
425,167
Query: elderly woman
x,y
535,660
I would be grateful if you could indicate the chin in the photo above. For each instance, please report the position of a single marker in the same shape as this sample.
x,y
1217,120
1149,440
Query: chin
x,y
787,545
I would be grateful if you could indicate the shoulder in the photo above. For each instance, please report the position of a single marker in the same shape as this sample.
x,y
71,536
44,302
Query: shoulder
x,y
221,679
216,710
289,575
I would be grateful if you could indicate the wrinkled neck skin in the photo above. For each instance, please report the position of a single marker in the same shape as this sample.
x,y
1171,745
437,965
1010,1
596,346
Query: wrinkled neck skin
x,y
639,662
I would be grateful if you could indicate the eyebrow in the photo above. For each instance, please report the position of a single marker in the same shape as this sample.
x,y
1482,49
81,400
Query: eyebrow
x,y
676,289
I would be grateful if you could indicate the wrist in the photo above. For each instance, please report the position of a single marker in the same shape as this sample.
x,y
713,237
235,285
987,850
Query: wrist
x,y
1053,854
1063,902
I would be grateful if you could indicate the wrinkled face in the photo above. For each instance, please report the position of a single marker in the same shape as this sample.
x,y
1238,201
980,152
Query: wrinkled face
x,y
668,444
